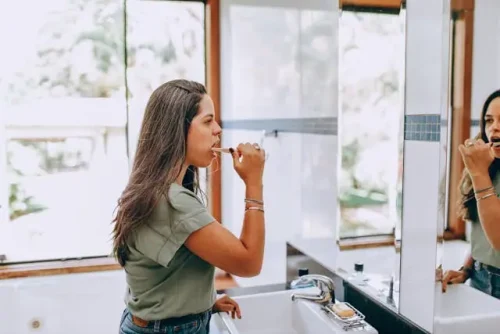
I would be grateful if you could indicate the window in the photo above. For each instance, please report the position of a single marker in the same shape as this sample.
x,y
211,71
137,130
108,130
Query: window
x,y
67,130
371,66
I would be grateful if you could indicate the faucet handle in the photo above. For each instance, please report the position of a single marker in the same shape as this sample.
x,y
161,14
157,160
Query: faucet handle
x,y
324,283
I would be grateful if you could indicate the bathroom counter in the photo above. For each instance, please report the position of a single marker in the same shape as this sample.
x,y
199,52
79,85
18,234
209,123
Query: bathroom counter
x,y
323,256
326,253
378,261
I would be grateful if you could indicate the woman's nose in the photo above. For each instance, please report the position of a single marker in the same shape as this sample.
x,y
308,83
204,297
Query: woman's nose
x,y
217,129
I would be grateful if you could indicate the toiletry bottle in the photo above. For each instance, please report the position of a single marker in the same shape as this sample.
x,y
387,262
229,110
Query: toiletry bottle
x,y
358,277
298,283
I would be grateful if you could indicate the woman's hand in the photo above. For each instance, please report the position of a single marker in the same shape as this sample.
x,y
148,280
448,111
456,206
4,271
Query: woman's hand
x,y
248,161
453,277
477,156
226,304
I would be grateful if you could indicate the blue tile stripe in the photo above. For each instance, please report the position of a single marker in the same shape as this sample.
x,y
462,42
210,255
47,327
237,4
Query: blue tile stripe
x,y
320,125
423,127
417,127
473,122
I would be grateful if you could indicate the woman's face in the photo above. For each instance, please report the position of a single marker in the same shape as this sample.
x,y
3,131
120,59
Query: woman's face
x,y
203,135
492,124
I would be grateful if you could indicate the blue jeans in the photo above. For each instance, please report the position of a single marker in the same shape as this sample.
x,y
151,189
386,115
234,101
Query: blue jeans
x,y
199,325
485,280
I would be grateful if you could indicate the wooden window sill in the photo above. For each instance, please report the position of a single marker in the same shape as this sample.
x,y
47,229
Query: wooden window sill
x,y
223,280
58,268
367,242
372,3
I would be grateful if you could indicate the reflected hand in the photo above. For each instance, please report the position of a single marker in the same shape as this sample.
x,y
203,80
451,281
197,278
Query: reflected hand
x,y
439,274
453,277
226,304
477,156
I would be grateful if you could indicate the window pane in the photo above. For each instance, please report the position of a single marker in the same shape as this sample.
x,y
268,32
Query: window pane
x,y
372,111
261,48
165,41
62,92
64,113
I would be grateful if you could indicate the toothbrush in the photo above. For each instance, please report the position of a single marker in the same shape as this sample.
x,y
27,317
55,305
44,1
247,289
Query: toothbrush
x,y
221,150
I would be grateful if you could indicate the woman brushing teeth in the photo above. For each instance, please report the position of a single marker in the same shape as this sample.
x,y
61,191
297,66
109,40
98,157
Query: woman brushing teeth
x,y
480,203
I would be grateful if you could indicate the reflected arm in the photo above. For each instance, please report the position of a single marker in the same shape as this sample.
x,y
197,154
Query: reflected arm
x,y
489,210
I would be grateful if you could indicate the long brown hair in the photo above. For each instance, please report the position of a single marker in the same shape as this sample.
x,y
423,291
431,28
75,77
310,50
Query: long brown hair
x,y
158,161
467,208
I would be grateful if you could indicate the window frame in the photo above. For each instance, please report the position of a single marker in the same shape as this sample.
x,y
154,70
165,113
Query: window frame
x,y
108,262
461,95
212,60
461,102
388,7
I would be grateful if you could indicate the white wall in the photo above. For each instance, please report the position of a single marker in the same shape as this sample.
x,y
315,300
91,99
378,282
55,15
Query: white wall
x,y
427,47
76,303
265,76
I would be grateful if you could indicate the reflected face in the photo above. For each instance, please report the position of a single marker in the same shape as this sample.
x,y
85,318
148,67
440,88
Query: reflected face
x,y
203,135
492,125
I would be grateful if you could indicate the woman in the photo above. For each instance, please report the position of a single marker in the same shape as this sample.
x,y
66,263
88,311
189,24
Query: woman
x,y
164,237
480,204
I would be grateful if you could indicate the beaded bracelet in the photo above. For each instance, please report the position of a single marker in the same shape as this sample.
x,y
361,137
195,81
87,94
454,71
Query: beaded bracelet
x,y
254,208
249,200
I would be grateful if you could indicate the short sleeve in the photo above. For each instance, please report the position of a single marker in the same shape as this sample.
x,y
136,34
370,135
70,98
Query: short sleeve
x,y
188,214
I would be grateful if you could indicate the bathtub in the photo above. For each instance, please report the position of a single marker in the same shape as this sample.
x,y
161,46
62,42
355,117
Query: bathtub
x,y
62,304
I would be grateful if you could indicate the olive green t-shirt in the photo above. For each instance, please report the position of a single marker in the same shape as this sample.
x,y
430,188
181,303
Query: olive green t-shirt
x,y
482,250
164,278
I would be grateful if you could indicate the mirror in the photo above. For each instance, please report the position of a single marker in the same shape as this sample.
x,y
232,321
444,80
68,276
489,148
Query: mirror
x,y
371,115
468,233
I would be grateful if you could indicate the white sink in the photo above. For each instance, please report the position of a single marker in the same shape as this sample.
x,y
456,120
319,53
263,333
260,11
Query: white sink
x,y
276,313
463,310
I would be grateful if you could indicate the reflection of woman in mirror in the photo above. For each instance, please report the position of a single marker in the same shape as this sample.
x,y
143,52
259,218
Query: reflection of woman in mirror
x,y
480,204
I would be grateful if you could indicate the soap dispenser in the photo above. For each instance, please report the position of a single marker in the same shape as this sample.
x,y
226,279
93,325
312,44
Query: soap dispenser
x,y
358,277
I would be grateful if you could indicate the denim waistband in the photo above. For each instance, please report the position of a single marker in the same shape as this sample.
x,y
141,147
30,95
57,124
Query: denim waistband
x,y
478,266
169,321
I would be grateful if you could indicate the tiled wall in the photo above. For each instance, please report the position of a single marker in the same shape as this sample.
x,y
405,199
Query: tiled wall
x,y
427,44
269,84
426,127
318,125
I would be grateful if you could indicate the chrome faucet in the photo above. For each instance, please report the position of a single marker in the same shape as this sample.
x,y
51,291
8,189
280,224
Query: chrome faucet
x,y
325,285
